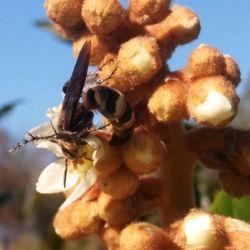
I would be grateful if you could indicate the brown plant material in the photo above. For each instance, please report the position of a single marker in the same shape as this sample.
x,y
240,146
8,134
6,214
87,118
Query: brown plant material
x,y
110,237
121,184
205,61
64,12
107,160
69,33
144,12
179,27
168,101
232,70
99,47
150,186
77,220
149,194
116,212
176,170
145,236
102,17
212,101
212,140
144,153
154,168
241,159
238,233
139,60
230,178
201,230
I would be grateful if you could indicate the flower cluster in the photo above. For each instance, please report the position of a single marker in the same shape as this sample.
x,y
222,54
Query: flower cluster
x,y
109,187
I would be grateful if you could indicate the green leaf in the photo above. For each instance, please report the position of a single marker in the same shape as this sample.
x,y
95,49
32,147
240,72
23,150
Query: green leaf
x,y
48,26
8,107
222,204
227,205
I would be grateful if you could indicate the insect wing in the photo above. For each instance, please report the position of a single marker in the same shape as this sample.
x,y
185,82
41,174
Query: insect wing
x,y
75,86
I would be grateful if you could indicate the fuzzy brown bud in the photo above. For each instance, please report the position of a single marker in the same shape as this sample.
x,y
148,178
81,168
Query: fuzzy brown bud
x,y
201,230
144,153
123,183
64,12
139,60
116,212
77,220
147,11
212,101
102,17
168,101
99,47
181,26
145,236
232,70
205,61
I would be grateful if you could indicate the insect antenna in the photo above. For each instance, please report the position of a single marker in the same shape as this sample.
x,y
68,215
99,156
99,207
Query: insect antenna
x,y
53,127
100,128
19,145
31,139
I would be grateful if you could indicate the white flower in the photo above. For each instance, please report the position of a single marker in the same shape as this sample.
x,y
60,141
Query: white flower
x,y
80,174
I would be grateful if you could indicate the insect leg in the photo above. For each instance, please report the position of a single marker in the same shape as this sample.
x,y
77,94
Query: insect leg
x,y
65,173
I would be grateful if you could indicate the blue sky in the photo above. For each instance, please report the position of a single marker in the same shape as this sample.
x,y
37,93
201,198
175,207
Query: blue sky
x,y
34,64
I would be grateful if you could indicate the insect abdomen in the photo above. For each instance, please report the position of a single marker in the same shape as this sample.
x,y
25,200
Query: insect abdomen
x,y
113,105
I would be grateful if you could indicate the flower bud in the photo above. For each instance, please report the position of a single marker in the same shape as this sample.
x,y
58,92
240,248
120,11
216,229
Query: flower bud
x,y
232,70
106,160
150,186
201,230
110,70
77,220
69,33
99,47
116,211
181,26
145,236
143,153
110,236
205,61
238,233
121,184
102,17
148,195
168,101
147,11
212,101
139,60
64,12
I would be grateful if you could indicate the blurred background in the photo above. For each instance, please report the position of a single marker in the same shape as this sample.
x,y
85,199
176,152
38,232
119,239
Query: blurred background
x,y
34,64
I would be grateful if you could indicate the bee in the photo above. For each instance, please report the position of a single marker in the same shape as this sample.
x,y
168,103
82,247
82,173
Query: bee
x,y
76,116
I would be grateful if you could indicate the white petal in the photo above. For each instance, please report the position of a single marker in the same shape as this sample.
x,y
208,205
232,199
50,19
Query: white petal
x,y
44,129
51,179
53,147
54,112
93,141
88,180
216,108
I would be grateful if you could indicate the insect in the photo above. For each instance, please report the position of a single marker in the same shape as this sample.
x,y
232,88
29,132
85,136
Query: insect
x,y
76,115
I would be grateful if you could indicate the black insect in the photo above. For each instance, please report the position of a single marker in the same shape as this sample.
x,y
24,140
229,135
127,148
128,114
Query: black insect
x,y
76,116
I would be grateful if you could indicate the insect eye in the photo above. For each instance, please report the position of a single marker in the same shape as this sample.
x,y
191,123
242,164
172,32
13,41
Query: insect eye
x,y
65,87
